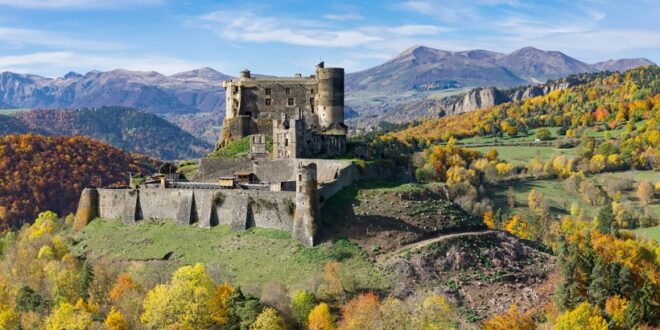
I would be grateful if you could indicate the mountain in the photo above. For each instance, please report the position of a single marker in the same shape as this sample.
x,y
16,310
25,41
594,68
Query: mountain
x,y
622,64
186,92
48,173
424,68
537,66
129,129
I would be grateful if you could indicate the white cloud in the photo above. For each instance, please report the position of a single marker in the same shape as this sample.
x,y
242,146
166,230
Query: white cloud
x,y
246,25
21,37
344,17
57,63
77,4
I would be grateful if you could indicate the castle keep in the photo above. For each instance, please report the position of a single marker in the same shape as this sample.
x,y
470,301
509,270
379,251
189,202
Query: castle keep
x,y
304,116
282,188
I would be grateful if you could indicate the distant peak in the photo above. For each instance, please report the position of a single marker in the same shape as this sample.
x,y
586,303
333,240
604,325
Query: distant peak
x,y
72,75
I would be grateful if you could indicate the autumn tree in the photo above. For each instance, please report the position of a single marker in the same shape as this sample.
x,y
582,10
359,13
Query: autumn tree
x,y
185,301
320,318
645,192
302,302
115,320
584,316
362,312
268,319
435,312
513,319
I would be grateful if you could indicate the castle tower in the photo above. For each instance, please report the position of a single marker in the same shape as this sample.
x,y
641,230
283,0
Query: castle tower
x,y
307,205
88,208
330,95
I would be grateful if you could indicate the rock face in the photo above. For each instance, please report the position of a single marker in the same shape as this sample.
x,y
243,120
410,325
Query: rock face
x,y
187,92
476,99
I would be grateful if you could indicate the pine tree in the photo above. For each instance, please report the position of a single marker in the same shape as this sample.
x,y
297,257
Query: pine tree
x,y
632,315
85,281
625,285
568,293
597,290
647,305
606,219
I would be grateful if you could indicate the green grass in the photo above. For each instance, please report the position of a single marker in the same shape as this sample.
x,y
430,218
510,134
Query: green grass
x,y
649,233
531,136
253,257
234,149
560,200
521,155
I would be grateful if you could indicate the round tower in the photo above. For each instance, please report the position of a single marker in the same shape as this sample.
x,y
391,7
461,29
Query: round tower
x,y
307,205
330,95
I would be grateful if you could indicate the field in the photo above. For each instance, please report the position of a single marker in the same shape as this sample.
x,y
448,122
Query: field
x,y
251,258
649,233
560,200
521,155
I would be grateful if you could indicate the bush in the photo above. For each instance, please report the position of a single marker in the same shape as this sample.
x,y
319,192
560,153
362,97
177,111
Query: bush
x,y
544,134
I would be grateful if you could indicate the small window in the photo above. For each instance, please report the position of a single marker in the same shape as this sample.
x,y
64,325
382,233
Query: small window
x,y
290,102
311,90
311,100
268,91
268,101
287,90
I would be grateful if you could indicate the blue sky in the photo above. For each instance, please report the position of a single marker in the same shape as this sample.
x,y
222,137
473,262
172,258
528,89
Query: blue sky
x,y
54,37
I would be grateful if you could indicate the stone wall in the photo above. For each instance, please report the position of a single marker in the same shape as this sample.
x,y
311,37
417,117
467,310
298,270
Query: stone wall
x,y
241,209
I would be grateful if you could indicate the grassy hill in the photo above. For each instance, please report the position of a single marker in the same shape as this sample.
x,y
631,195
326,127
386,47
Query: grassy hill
x,y
125,128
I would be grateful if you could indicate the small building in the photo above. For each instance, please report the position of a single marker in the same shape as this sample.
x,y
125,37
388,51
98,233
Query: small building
x,y
227,182
245,177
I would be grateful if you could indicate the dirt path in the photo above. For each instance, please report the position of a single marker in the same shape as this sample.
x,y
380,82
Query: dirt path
x,y
420,244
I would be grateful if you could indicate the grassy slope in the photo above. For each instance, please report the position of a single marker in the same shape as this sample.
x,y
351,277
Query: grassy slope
x,y
521,155
234,149
650,233
559,199
254,257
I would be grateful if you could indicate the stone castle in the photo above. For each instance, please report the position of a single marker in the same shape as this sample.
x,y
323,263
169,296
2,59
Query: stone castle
x,y
304,116
282,188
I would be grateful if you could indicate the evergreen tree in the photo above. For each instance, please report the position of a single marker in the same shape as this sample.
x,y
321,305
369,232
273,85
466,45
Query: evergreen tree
x,y
647,304
597,290
569,292
85,281
499,218
606,219
626,286
632,315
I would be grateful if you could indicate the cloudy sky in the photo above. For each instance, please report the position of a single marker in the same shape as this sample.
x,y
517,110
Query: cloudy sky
x,y
53,37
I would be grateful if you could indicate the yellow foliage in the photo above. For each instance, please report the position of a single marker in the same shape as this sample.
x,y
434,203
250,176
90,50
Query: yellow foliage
x,y
489,219
115,320
70,317
268,319
513,319
504,169
45,252
9,319
320,318
584,316
434,313
615,307
45,223
516,225
185,301
218,303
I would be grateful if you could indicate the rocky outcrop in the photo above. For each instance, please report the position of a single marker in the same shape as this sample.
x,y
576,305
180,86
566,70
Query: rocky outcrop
x,y
476,99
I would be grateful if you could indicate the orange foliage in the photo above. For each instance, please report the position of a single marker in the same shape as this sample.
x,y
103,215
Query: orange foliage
x,y
47,173
124,284
361,312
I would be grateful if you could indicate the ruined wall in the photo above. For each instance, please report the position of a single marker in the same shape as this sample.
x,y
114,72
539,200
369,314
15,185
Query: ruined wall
x,y
240,209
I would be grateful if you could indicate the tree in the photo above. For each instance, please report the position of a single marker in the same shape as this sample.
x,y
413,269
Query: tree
x,y
513,319
647,305
360,313
492,155
394,314
123,285
302,302
29,301
518,226
435,312
645,192
185,301
489,219
70,317
615,307
115,320
543,134
606,219
584,316
243,310
320,318
219,307
598,287
85,280
268,319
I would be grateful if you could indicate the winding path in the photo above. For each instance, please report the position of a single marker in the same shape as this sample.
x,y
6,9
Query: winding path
x,y
420,244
